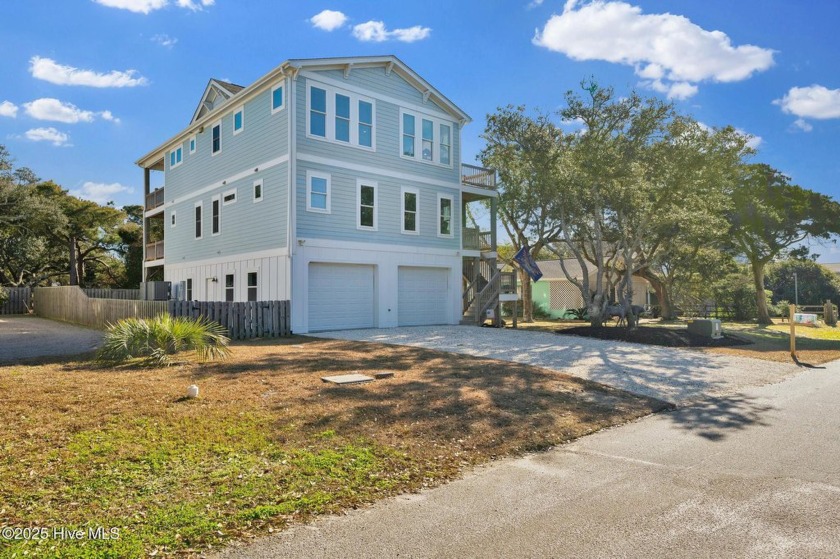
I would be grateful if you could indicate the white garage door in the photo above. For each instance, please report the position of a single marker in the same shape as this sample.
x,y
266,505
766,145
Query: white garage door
x,y
340,296
423,296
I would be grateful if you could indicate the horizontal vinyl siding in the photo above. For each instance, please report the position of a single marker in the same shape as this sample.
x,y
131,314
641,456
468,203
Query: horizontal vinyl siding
x,y
245,226
388,141
340,224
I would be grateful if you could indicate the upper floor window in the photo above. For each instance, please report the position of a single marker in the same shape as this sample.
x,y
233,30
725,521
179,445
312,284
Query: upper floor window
x,y
172,218
426,138
258,190
252,286
277,100
409,210
216,132
192,145
444,215
238,120
198,228
366,202
341,116
176,157
229,197
317,192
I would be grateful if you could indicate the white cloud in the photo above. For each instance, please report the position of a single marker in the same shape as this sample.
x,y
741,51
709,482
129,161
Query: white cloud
x,y
49,70
48,135
148,6
814,101
803,125
9,109
753,141
328,20
100,192
375,31
48,108
535,4
136,6
669,51
164,40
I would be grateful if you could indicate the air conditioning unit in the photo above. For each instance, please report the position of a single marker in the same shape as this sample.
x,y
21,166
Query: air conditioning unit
x,y
709,327
155,290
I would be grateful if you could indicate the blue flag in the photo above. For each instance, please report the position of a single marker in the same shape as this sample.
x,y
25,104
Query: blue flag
x,y
526,262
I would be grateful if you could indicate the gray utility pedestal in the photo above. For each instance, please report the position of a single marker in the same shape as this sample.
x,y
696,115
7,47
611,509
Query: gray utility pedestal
x,y
709,327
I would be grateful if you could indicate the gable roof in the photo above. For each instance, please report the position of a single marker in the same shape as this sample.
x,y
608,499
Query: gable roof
x,y
552,271
291,68
216,94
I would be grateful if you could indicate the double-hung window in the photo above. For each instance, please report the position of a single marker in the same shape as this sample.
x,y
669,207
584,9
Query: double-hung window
x,y
317,192
366,204
216,143
410,208
189,289
229,288
445,204
426,138
216,225
252,286
340,116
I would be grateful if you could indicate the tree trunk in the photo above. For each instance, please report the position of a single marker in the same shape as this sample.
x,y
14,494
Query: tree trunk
x,y
663,294
596,311
74,269
527,297
760,297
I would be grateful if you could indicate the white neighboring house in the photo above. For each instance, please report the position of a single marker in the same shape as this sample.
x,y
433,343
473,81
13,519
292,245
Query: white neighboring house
x,y
556,295
334,183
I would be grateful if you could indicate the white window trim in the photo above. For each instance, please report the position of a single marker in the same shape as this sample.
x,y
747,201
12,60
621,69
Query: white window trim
x,y
309,176
201,232
375,185
410,190
173,219
177,162
215,124
216,198
331,114
258,182
228,193
192,142
239,110
232,274
451,215
252,271
281,85
418,138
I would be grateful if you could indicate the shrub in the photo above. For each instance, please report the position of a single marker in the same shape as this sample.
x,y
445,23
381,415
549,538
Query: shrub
x,y
581,313
155,340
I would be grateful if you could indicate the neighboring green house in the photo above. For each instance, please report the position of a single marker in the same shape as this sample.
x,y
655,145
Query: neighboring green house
x,y
556,295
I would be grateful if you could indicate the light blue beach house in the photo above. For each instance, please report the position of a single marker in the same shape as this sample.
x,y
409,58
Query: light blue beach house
x,y
335,183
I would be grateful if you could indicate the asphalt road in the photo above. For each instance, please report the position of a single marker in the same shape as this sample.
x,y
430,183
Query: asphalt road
x,y
25,337
752,475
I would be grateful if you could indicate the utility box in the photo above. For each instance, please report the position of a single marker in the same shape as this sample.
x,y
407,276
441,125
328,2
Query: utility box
x,y
155,290
709,327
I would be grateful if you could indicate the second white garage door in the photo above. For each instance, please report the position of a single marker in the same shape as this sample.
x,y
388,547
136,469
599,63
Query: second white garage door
x,y
340,296
423,296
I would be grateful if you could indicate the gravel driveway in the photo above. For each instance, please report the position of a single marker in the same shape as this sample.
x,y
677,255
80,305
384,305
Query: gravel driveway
x,y
24,337
674,375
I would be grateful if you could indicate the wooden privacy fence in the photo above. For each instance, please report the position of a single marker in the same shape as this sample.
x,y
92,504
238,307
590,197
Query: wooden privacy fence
x,y
105,293
254,319
70,304
19,302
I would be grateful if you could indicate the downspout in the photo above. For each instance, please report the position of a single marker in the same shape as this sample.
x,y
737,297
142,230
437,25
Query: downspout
x,y
291,234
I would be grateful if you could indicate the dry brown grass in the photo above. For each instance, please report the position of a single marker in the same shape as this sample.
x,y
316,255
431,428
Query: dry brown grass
x,y
267,442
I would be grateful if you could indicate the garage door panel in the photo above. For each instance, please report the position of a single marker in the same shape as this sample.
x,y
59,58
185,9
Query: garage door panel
x,y
423,296
341,296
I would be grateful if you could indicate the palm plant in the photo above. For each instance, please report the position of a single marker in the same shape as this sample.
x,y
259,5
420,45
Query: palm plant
x,y
155,340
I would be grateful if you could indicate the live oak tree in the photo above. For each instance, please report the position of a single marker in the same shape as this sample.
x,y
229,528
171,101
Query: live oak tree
x,y
771,216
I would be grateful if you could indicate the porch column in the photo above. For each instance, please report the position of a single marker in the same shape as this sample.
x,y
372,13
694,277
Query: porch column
x,y
494,201
146,186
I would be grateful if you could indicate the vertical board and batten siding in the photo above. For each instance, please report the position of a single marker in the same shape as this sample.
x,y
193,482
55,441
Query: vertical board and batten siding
x,y
19,301
341,223
272,277
105,293
246,226
70,304
244,320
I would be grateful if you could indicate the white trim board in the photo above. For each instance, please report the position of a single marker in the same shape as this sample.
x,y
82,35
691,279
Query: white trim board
x,y
230,258
309,242
338,164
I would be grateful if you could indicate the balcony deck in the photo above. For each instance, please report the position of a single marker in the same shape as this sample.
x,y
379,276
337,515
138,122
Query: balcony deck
x,y
155,199
478,177
154,251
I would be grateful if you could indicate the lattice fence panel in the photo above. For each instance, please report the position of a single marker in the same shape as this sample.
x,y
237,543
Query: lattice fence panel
x,y
564,295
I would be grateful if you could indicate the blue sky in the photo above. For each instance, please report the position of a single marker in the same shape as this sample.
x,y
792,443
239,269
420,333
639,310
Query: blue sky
x,y
91,85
